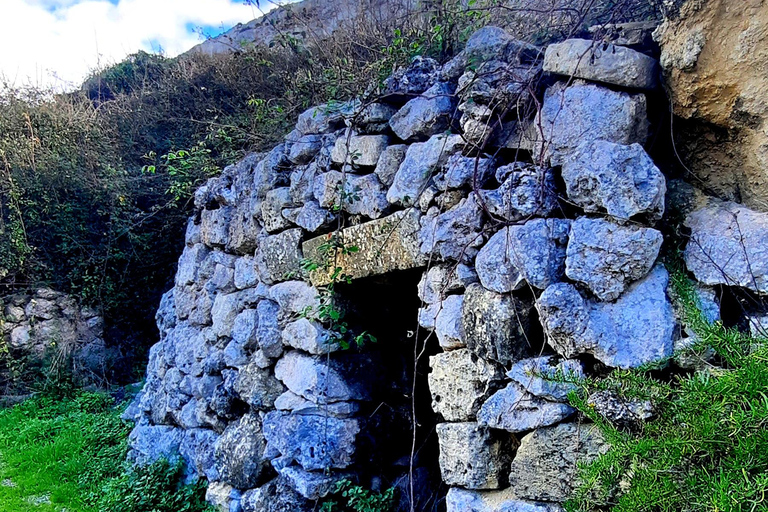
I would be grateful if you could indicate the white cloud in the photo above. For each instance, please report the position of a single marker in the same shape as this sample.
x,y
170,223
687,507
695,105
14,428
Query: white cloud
x,y
57,42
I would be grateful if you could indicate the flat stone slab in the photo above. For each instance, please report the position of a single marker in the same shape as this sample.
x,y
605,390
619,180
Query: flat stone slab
x,y
383,245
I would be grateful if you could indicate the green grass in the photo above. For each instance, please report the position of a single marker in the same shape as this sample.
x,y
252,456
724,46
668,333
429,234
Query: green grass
x,y
68,454
707,449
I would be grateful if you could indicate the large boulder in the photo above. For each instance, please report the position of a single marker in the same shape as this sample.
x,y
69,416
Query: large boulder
x,y
532,253
473,456
602,62
637,329
619,180
495,325
546,465
607,257
460,382
580,113
728,245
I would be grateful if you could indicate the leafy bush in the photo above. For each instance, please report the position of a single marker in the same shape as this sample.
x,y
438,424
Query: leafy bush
x,y
347,497
707,450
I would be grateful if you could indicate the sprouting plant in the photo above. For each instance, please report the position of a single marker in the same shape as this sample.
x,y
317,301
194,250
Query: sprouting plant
x,y
348,497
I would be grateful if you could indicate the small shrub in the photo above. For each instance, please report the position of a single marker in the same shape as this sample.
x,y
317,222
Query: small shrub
x,y
348,497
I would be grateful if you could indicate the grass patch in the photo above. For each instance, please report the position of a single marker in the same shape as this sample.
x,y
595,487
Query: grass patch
x,y
707,449
68,454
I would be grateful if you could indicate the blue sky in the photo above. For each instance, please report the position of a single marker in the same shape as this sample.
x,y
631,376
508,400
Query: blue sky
x,y
57,42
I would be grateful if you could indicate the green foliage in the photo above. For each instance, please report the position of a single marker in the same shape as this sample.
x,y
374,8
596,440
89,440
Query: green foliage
x,y
154,488
348,497
707,450
60,453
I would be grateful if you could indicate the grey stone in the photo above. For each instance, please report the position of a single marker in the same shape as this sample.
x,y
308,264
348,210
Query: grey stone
x,y
582,113
384,245
295,298
279,256
462,500
602,62
607,257
619,180
463,171
545,467
197,450
532,253
472,456
310,216
414,79
257,386
359,150
526,191
636,329
460,382
224,312
244,230
315,442
245,275
495,325
320,119
455,234
516,410
290,401
275,496
442,279
320,381
234,356
427,316
389,163
728,245
363,195
239,453
268,333
309,336
373,118
272,209
311,485
500,84
546,377
426,115
214,226
219,495
149,443
189,262
422,160
622,412
449,326
304,149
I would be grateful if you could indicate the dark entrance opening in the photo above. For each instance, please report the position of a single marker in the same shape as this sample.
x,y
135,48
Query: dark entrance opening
x,y
387,306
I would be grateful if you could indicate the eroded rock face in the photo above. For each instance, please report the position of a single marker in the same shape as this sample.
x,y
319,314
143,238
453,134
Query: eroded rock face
x,y
460,382
545,467
473,456
728,246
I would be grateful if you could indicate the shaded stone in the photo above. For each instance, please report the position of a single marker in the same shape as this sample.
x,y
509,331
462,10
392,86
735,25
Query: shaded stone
x,y
311,216
460,382
422,160
311,485
290,401
320,119
548,378
359,150
463,171
314,442
449,326
622,412
275,496
495,326
268,333
426,115
148,443
526,191
619,180
245,275
443,279
532,253
545,467
516,410
607,257
304,148
414,79
272,209
582,113
455,234
295,298
728,246
384,245
279,256
239,453
462,500
472,456
389,163
214,226
636,329
257,386
320,381
309,336
363,195
197,450
602,62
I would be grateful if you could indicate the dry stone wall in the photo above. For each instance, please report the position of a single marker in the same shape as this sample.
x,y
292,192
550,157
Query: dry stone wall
x,y
538,242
